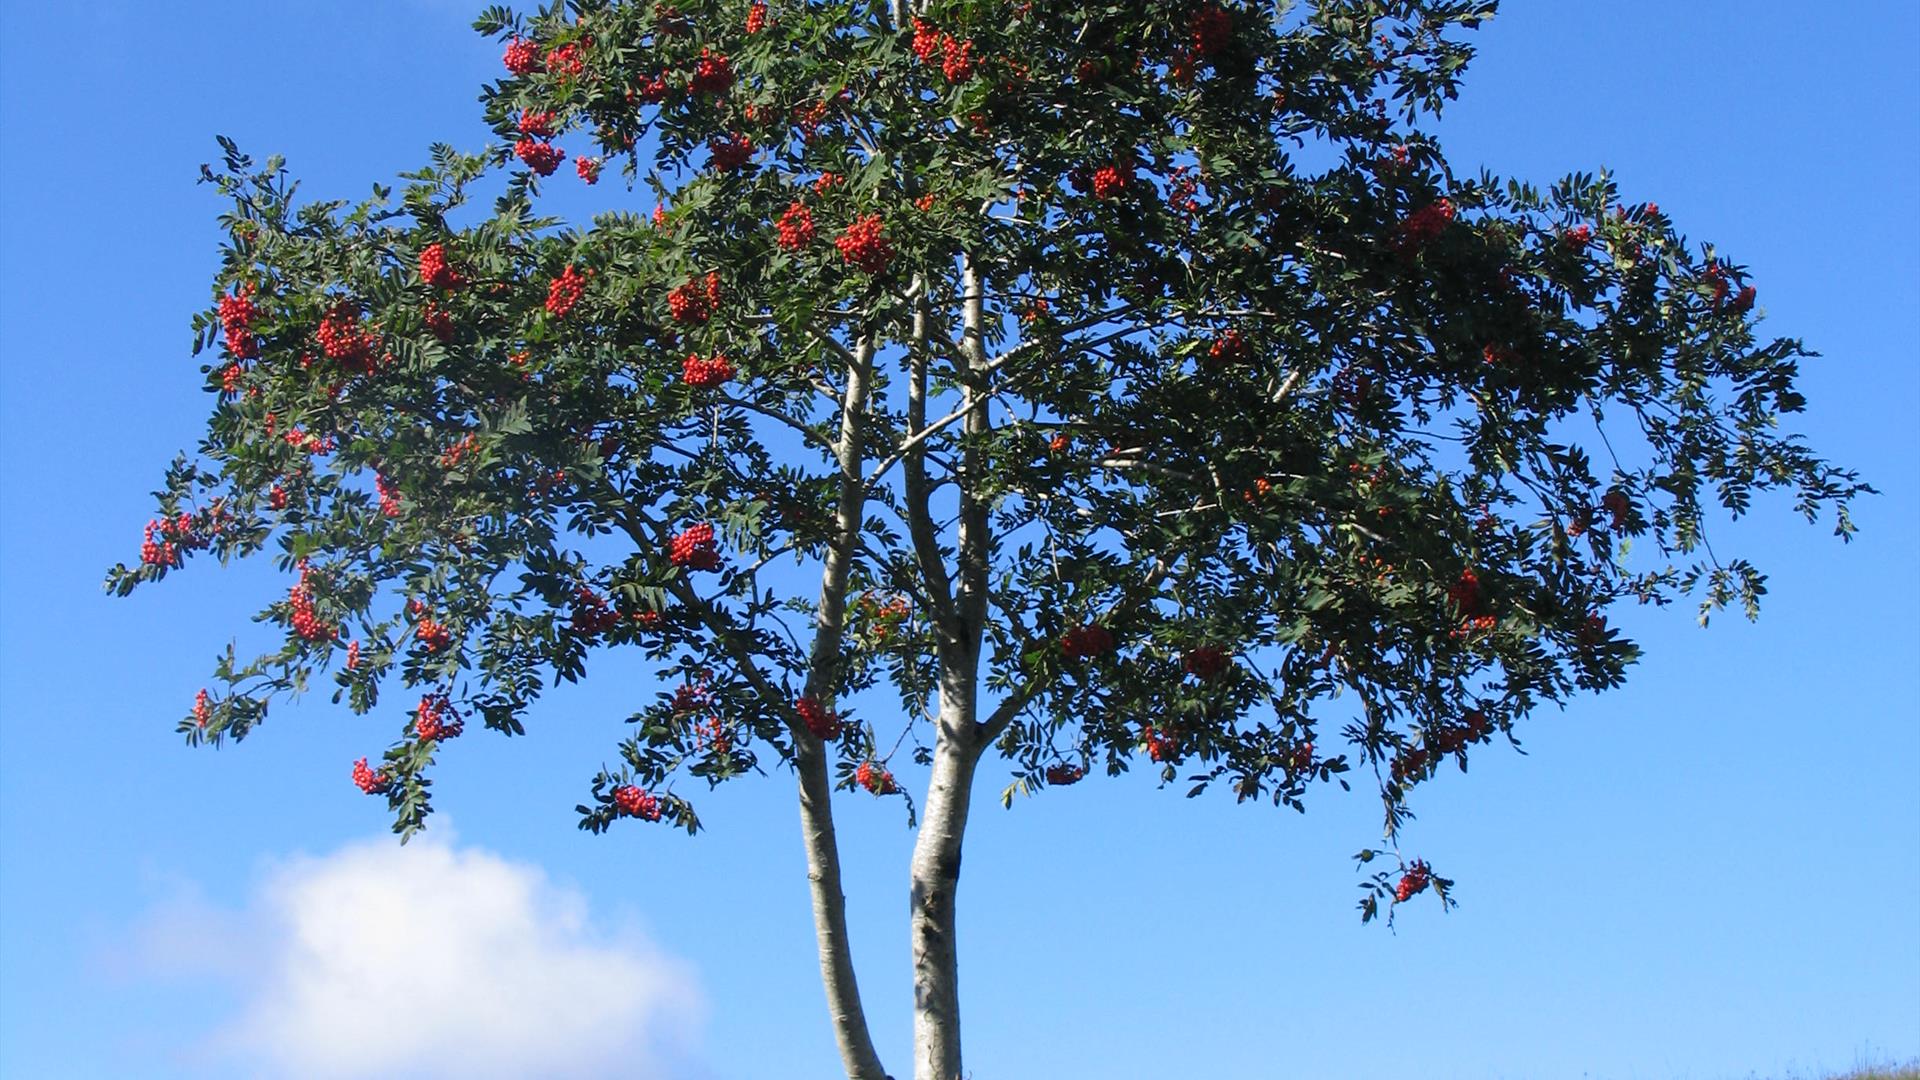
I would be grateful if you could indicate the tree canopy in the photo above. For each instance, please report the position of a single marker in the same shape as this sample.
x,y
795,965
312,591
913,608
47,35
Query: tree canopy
x,y
1107,386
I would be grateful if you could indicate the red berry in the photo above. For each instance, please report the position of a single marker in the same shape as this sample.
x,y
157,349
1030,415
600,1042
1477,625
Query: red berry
x,y
588,168
1061,775
522,57
1413,882
795,227
705,374
566,61
1086,641
634,802
865,245
823,722
756,18
431,720
364,778
730,152
1205,662
564,292
1426,223
711,74
1108,181
1210,29
436,271
541,156
1228,348
694,549
1465,592
689,303
875,778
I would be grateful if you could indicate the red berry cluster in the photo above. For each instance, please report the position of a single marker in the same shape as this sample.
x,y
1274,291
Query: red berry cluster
x,y
566,61
1083,642
883,619
1303,757
343,339
826,182
693,548
1409,764
714,735
389,494
564,292
1063,774
591,613
364,778
875,778
439,321
1426,223
756,18
795,226
237,313
1162,745
588,168
353,654
1210,30
453,455
434,720
1465,592
926,40
522,57
865,245
1413,882
310,626
730,152
277,497
634,802
956,57
202,710
312,444
537,123
711,73
1108,181
703,374
690,698
1578,237
1205,662
1473,726
693,302
1619,505
1182,189
431,634
1229,348
436,271
823,722
540,155
165,538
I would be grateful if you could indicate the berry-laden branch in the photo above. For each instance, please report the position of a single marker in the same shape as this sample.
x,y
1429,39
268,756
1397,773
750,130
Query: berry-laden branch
x,y
1149,369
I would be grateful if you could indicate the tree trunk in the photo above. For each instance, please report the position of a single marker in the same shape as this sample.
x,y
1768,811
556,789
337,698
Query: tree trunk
x,y
830,917
935,883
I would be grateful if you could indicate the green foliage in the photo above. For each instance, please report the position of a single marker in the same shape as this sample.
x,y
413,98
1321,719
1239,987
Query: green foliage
x,y
1342,451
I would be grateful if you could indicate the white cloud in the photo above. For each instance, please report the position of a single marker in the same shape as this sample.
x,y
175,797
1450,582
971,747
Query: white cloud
x,y
429,960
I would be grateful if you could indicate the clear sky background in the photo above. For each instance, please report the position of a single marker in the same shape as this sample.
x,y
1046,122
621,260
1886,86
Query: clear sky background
x,y
1713,872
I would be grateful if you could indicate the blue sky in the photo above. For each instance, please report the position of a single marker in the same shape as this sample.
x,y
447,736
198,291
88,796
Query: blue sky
x,y
1712,872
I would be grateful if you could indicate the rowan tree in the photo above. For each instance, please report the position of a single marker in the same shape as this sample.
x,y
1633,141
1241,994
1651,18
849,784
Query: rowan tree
x,y
1091,386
